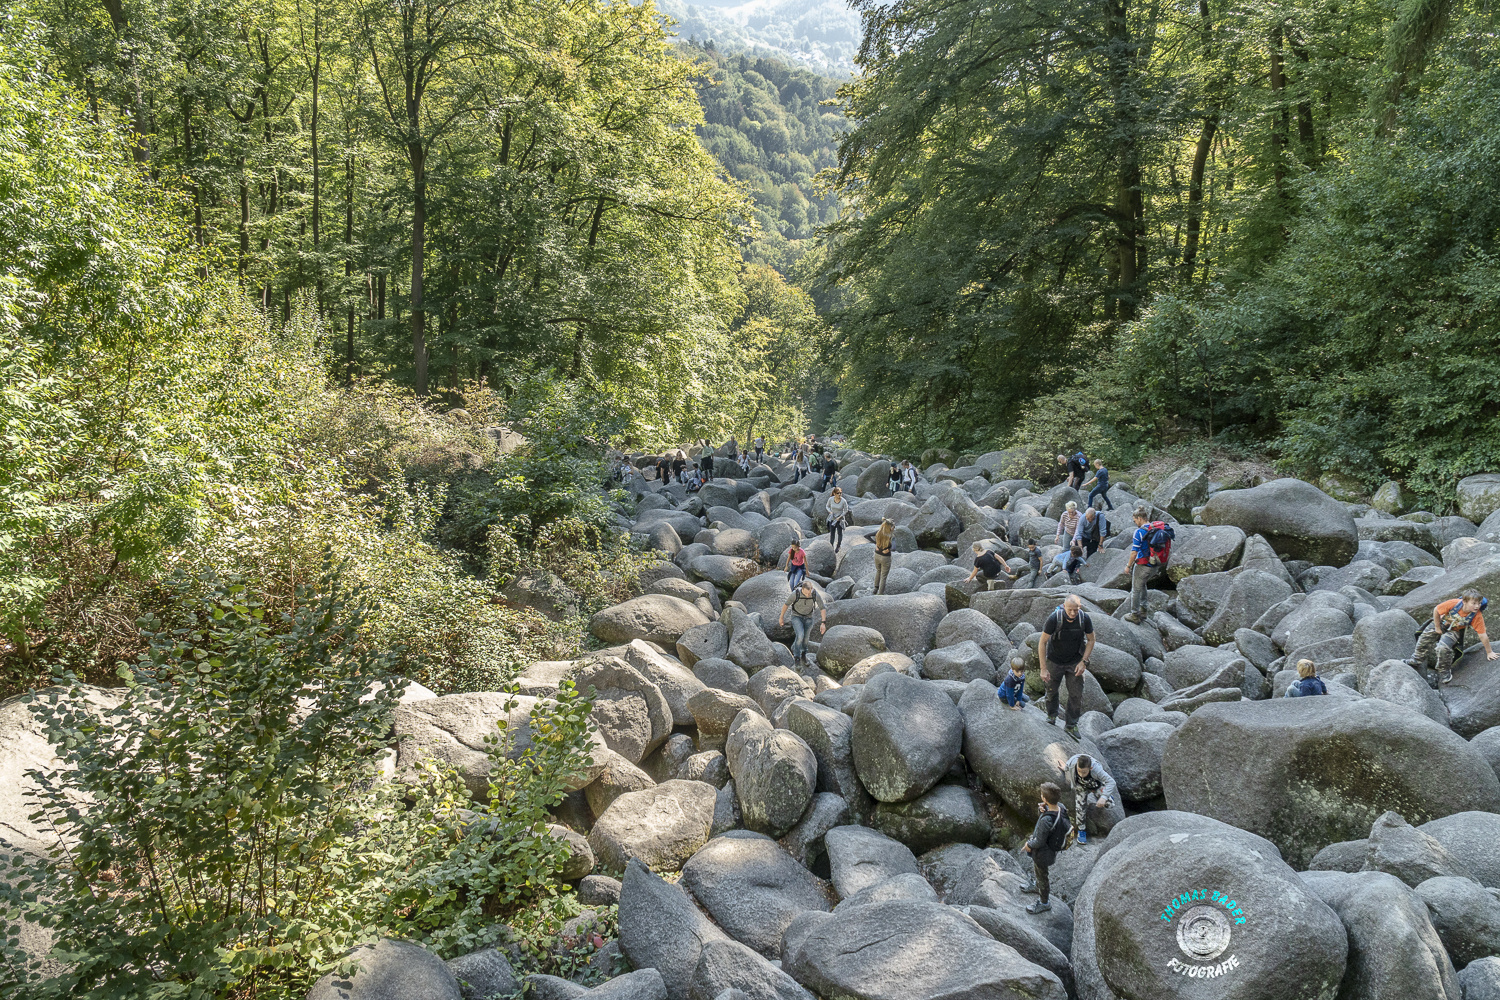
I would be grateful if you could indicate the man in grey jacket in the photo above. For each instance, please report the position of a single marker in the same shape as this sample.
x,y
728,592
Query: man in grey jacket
x,y
1093,792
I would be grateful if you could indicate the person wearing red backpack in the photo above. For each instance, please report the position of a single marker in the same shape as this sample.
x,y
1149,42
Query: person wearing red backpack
x,y
1150,548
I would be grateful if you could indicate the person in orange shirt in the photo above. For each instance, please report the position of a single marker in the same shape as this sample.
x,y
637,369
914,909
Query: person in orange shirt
x,y
1445,634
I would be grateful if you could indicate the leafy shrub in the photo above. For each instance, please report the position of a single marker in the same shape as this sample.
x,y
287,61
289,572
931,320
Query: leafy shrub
x,y
236,840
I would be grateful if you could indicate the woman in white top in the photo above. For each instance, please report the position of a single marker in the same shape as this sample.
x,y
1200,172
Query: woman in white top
x,y
838,517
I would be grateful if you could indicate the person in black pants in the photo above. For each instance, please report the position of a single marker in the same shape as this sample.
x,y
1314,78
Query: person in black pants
x,y
1049,837
1067,642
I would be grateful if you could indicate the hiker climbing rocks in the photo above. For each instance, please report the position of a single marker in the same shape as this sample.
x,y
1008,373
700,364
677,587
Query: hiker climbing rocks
x,y
893,479
1308,682
838,518
1067,643
1101,489
800,468
883,536
760,448
679,464
1150,548
744,463
1077,466
1033,567
706,461
1091,531
830,471
1048,838
1446,632
796,565
803,603
989,564
1093,792
1068,523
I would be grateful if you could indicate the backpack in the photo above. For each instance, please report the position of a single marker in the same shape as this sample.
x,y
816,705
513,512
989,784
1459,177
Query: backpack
x,y
1057,837
1159,536
1082,460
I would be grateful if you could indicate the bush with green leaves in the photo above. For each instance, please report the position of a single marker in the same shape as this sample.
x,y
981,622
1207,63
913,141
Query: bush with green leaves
x,y
224,831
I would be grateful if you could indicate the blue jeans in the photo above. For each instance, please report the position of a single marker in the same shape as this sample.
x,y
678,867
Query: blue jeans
x,y
830,481
795,575
1100,491
801,626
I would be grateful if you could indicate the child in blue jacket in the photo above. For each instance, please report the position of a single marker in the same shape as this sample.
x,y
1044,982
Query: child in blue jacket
x,y
1012,688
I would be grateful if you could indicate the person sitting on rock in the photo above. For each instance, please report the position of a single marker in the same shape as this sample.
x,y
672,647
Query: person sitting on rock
x,y
1446,632
803,603
796,565
989,564
1093,791
1012,689
1308,682
1047,838
1067,643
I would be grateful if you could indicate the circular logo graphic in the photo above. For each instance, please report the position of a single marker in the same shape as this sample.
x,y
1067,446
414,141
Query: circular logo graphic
x,y
1203,933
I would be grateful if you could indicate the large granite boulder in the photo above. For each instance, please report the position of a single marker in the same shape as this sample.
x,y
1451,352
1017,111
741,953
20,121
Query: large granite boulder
x,y
1298,519
907,733
1473,696
907,622
911,950
661,826
456,729
1325,768
662,929
1479,496
1013,752
1183,906
775,775
1466,916
632,714
390,970
859,858
843,646
947,814
1394,951
753,888
654,617
1204,549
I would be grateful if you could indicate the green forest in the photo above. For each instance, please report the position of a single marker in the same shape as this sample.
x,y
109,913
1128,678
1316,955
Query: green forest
x,y
1122,225
322,323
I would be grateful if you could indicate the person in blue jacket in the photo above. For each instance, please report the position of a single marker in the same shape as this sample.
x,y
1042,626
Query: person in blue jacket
x,y
1308,682
1013,688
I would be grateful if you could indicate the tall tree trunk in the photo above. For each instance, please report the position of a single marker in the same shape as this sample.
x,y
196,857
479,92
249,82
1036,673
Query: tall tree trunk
x,y
348,258
1195,197
1279,131
1128,207
417,154
140,149
244,222
1412,37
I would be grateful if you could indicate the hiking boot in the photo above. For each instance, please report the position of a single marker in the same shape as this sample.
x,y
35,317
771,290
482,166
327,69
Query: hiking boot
x,y
1133,617
1445,677
1072,731
1039,907
1051,720
1030,888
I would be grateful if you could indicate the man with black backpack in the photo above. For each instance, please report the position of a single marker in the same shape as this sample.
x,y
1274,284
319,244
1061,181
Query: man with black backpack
x,y
1066,645
1048,838
1150,548
1077,466
1446,632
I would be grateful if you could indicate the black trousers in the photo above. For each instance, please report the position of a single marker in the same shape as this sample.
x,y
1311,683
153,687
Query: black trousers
x,y
1062,672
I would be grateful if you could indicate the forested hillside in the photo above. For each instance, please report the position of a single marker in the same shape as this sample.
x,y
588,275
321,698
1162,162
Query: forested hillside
x,y
1119,226
767,124
819,35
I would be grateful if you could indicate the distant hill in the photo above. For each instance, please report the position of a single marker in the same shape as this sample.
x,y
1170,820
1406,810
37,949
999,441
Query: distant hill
x,y
821,35
764,123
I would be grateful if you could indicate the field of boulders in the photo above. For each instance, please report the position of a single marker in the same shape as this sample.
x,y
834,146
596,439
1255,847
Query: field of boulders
x,y
850,828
